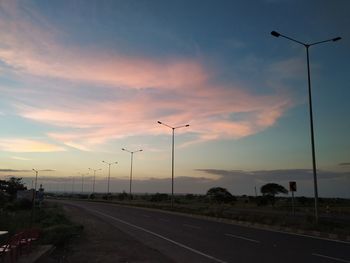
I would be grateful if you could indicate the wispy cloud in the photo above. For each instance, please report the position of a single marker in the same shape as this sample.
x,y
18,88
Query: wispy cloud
x,y
177,90
28,145
20,158
21,171
279,175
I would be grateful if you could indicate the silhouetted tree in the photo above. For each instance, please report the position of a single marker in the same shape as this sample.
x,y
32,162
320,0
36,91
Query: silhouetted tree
x,y
220,195
271,189
11,186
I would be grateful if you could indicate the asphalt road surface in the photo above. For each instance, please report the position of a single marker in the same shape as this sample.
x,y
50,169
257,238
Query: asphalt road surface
x,y
187,239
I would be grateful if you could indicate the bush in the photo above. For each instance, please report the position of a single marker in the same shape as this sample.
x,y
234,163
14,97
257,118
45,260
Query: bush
x,y
159,197
59,235
24,204
122,196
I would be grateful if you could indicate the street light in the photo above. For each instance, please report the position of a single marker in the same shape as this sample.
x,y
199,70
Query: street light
x,y
36,180
132,157
307,46
172,158
109,175
93,186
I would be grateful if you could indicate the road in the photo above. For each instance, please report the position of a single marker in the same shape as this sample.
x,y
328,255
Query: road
x,y
188,239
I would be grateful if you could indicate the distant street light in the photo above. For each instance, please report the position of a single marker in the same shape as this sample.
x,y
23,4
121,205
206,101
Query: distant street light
x,y
73,180
109,175
172,158
93,186
132,157
36,180
307,46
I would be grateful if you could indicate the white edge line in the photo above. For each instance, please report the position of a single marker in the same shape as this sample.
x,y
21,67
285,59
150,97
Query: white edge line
x,y
159,236
336,259
244,238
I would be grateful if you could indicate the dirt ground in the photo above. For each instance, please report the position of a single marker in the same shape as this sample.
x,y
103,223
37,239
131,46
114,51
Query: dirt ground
x,y
102,242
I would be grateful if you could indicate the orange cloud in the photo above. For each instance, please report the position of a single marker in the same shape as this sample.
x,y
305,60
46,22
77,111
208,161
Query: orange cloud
x,y
25,145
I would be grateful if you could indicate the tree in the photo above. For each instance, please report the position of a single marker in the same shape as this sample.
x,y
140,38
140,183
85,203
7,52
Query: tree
x,y
220,195
271,189
12,186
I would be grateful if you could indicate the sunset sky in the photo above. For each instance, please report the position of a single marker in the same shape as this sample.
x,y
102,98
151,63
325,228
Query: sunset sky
x,y
80,80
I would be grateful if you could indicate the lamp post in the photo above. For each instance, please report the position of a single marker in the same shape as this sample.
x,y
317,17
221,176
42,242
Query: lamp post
x,y
36,180
109,175
132,157
32,217
73,185
172,157
307,46
93,185
82,183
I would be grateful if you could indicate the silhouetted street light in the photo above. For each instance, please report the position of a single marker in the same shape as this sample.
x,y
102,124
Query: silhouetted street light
x,y
109,175
172,158
132,157
93,185
36,181
82,182
307,46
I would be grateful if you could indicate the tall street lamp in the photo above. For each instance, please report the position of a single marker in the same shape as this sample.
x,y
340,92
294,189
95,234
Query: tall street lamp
x,y
93,185
172,157
307,46
132,157
109,175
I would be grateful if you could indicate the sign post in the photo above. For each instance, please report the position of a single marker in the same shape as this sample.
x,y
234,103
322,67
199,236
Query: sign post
x,y
293,188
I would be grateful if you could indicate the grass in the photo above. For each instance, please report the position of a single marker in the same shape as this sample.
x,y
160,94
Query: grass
x,y
54,225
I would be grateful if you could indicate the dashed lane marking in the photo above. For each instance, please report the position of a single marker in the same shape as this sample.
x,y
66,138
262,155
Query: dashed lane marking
x,y
244,238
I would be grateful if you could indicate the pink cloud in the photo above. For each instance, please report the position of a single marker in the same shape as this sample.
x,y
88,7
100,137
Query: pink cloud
x,y
174,90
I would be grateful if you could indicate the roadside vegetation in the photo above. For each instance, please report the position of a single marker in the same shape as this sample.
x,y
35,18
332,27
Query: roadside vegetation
x,y
18,214
272,207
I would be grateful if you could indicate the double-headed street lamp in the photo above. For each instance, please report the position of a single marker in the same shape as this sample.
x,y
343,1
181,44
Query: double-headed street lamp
x,y
172,158
93,185
132,157
307,46
109,175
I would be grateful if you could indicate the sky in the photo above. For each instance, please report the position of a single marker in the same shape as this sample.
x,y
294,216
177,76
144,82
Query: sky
x,y
80,80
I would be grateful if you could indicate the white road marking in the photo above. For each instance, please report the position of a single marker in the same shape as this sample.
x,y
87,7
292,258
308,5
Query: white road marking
x,y
159,236
335,259
244,238
191,226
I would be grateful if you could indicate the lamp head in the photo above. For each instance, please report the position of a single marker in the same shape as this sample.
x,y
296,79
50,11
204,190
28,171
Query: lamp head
x,y
123,149
336,39
275,34
159,122
187,125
